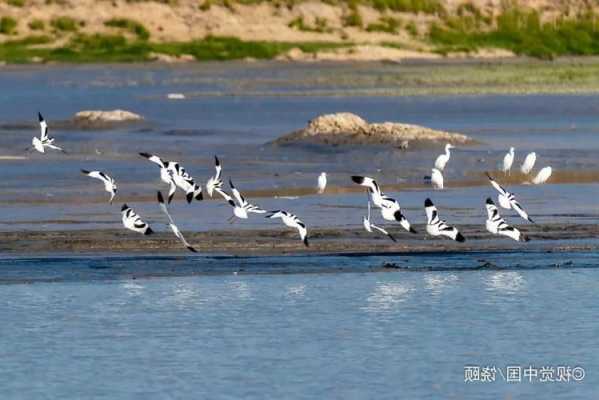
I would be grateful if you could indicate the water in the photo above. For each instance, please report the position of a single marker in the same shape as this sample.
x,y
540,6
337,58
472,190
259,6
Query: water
x,y
355,335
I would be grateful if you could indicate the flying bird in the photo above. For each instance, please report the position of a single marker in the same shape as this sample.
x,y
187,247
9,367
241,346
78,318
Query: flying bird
x,y
322,182
507,200
508,160
241,207
133,221
109,183
543,175
370,227
529,163
172,225
44,141
442,160
497,225
436,226
215,182
175,176
390,208
437,179
292,221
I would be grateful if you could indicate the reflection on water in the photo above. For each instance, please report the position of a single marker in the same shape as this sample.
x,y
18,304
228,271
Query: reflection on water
x,y
387,295
437,283
508,282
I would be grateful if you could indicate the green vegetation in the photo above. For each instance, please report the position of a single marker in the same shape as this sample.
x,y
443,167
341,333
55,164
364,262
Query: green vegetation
x,y
385,24
15,3
353,18
320,25
413,6
37,25
129,25
7,25
65,24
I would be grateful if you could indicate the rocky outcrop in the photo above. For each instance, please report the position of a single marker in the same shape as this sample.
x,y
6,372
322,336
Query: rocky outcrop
x,y
350,129
95,118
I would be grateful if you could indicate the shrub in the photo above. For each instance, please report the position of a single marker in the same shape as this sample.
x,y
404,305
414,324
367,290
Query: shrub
x,y
65,24
130,25
7,25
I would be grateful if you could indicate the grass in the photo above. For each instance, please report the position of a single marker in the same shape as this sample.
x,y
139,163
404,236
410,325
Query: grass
x,y
129,25
97,48
8,25
15,3
385,24
65,24
320,25
37,25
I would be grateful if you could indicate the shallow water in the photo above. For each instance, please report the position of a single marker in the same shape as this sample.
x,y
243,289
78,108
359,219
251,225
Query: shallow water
x,y
394,334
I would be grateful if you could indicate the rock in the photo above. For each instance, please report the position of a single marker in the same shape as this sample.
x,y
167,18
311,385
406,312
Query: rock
x,y
167,58
97,118
175,96
350,129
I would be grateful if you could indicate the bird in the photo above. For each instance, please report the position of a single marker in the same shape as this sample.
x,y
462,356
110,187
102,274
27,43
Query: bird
x,y
172,225
437,179
437,227
508,160
543,175
215,182
133,221
175,176
441,161
241,207
507,200
44,140
322,182
497,225
292,221
390,208
529,163
370,227
109,183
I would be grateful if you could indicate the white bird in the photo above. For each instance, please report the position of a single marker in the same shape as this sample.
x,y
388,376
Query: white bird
x,y
441,161
508,160
175,176
215,182
322,182
133,221
172,225
44,140
390,208
542,176
529,163
291,221
436,226
497,225
437,179
109,183
507,200
370,227
241,207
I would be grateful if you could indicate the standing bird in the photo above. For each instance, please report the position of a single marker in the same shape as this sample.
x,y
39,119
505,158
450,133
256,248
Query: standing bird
x,y
497,225
441,161
109,183
175,176
242,207
508,160
369,226
172,225
291,221
529,163
133,221
390,208
507,200
437,179
437,227
542,176
44,140
322,182
215,182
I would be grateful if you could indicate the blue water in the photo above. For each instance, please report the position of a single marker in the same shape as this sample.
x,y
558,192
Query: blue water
x,y
93,332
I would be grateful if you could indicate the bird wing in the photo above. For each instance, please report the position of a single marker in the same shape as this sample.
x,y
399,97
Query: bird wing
x,y
254,209
369,183
155,159
383,231
516,206
227,198
496,185
240,200
98,175
43,128
491,209
303,231
171,190
218,168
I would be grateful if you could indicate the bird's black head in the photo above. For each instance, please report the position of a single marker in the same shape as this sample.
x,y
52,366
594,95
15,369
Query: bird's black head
x,y
216,160
160,198
124,207
489,201
428,203
460,238
39,116
358,179
146,155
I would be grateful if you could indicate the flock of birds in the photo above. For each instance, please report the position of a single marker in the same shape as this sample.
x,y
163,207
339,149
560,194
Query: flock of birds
x,y
175,176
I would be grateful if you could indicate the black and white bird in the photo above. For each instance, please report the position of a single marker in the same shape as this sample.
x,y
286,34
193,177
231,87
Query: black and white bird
x,y
109,183
44,141
175,176
292,221
370,227
436,226
497,225
134,222
215,183
437,179
390,208
529,163
241,207
442,160
322,182
508,160
172,225
507,200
